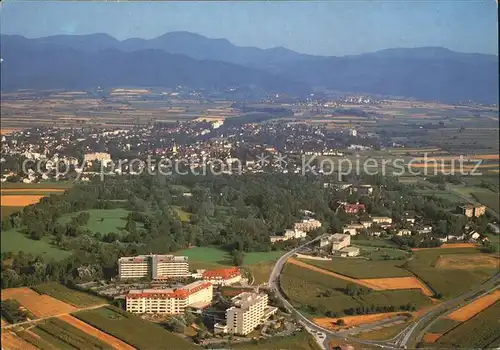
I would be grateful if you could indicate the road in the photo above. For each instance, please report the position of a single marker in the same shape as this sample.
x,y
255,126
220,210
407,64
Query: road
x,y
411,335
273,284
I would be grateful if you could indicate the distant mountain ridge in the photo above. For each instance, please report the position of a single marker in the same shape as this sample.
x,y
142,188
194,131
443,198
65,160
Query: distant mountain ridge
x,y
429,73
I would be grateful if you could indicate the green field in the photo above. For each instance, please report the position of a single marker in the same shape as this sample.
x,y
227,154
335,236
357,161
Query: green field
x,y
443,325
376,242
361,268
299,341
481,331
447,282
6,211
383,333
103,220
72,337
306,288
15,241
183,216
490,199
217,256
132,329
70,296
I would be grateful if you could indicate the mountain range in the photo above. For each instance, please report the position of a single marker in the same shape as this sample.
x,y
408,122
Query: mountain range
x,y
183,58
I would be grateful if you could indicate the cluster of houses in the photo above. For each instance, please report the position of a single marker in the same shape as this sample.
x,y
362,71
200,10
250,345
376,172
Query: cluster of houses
x,y
299,230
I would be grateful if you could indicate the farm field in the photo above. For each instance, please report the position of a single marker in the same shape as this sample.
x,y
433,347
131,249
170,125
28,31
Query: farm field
x,y
362,268
222,257
389,283
349,321
470,310
20,200
68,334
132,329
298,341
490,199
399,283
383,333
38,304
88,329
70,296
480,331
317,294
15,241
447,282
6,211
449,246
102,220
11,340
467,262
260,271
183,216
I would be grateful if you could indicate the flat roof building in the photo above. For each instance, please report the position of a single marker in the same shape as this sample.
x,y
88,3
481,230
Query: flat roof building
x,y
169,301
156,267
339,241
248,311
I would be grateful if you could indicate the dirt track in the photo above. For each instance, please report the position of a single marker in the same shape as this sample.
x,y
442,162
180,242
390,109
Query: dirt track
x,y
114,342
472,309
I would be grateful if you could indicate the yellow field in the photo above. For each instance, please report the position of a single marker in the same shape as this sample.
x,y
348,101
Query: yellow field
x,y
349,321
13,190
449,246
7,131
19,200
11,341
399,283
431,337
40,305
472,309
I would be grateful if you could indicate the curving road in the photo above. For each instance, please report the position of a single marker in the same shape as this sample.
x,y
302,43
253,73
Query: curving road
x,y
411,335
273,284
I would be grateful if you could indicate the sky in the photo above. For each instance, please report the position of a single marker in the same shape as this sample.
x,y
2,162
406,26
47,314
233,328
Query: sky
x,y
316,27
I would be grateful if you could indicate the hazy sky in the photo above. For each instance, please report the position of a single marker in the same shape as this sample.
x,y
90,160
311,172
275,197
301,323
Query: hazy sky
x,y
325,27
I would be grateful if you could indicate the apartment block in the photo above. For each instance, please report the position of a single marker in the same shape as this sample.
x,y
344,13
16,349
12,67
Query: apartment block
x,y
353,229
222,277
471,210
248,311
307,225
340,241
382,220
169,301
156,267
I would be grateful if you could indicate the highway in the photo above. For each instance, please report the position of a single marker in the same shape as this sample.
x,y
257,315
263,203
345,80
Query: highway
x,y
410,336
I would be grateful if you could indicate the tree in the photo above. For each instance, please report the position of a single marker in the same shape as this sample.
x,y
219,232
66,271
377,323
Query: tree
x,y
238,256
340,322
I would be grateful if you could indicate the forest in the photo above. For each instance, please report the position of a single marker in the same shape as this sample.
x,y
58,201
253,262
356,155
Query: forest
x,y
238,213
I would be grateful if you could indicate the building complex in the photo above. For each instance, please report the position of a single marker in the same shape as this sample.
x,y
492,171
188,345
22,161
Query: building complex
x,y
247,312
169,301
156,267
